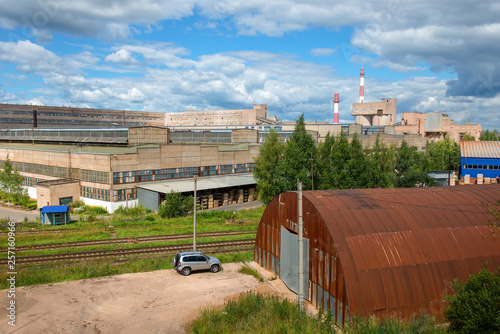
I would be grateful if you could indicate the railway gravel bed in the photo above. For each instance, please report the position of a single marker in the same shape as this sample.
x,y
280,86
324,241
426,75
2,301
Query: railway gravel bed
x,y
153,238
236,245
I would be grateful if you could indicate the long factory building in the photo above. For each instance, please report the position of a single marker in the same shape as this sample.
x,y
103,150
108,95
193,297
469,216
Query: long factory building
x,y
128,166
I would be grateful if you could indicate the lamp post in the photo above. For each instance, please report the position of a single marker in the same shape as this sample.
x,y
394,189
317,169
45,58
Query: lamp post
x,y
194,212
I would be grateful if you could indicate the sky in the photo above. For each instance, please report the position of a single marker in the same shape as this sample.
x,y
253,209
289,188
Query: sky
x,y
293,55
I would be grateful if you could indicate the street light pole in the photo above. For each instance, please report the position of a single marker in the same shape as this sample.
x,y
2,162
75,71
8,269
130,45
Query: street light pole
x,y
194,213
312,172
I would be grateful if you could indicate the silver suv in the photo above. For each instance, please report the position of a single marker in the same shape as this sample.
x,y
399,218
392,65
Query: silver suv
x,y
185,262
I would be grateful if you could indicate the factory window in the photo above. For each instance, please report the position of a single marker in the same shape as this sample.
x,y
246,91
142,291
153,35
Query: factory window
x,y
96,193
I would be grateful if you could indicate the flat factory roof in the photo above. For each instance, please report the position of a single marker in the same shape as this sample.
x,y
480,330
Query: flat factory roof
x,y
204,183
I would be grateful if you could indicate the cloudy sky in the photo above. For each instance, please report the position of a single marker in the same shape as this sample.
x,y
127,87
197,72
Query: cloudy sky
x,y
176,55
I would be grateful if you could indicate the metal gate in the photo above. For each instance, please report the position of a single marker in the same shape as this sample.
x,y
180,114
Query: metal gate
x,y
289,261
148,199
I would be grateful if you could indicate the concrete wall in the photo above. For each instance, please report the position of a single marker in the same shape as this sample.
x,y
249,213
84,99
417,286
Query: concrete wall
x,y
245,136
50,195
148,135
413,140
217,117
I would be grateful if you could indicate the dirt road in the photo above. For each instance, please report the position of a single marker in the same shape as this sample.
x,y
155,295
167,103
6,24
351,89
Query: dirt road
x,y
153,302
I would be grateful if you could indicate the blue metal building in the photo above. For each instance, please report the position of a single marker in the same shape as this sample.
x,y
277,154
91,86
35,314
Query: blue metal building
x,y
480,157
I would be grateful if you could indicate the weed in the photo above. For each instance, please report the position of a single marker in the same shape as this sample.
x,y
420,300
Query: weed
x,y
251,272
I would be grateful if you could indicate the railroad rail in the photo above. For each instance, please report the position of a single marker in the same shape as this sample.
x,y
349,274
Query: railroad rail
x,y
240,245
152,238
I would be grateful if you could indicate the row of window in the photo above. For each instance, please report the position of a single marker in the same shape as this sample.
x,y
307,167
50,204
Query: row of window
x,y
62,172
124,194
174,173
104,194
117,115
31,181
481,167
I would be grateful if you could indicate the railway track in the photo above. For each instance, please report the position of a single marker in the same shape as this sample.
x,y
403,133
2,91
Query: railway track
x,y
153,238
236,245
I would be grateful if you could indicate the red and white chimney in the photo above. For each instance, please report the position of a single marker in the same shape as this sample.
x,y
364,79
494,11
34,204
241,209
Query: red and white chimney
x,y
336,109
362,86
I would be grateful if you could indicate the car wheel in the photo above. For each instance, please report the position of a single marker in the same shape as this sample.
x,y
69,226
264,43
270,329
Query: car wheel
x,y
186,271
214,268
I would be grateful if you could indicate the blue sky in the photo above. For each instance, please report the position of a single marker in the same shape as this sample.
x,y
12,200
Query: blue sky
x,y
171,56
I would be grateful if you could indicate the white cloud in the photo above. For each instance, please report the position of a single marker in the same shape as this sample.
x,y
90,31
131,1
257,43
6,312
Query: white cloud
x,y
401,36
122,56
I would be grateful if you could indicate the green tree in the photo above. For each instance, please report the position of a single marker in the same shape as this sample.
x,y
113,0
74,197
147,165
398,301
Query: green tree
x,y
469,138
267,169
296,163
325,163
475,306
11,181
489,135
358,164
442,155
341,155
408,167
175,205
381,166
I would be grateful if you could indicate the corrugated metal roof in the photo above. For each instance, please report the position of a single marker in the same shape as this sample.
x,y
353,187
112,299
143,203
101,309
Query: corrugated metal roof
x,y
204,183
55,209
480,149
398,250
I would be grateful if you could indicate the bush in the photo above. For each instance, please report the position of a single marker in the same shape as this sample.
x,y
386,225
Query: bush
x,y
96,210
77,204
133,211
175,205
475,307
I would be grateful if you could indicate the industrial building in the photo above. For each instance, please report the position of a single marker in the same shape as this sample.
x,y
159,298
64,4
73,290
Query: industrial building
x,y
479,161
381,113
432,125
435,126
380,252
255,116
106,167
18,116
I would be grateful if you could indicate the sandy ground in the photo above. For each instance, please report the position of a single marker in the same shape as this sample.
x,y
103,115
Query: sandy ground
x,y
154,302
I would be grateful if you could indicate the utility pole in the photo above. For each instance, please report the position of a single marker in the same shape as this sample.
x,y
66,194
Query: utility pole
x,y
300,296
194,213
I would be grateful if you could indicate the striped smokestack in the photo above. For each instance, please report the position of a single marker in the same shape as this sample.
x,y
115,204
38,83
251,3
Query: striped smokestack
x,y
336,109
362,86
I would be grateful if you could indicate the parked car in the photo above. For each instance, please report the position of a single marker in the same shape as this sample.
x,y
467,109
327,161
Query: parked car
x,y
186,262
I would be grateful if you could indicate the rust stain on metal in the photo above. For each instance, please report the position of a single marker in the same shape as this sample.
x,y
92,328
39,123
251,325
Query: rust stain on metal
x,y
385,251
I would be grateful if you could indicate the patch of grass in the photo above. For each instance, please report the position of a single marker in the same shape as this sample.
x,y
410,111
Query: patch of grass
x,y
255,313
421,323
252,272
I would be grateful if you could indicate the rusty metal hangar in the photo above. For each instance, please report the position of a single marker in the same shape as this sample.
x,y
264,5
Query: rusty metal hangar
x,y
381,251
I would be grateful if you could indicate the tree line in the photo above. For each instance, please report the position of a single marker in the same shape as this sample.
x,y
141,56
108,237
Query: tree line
x,y
338,163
